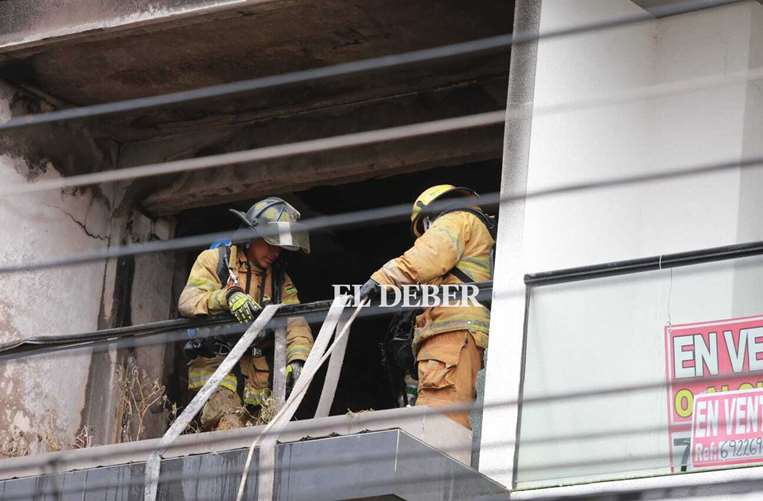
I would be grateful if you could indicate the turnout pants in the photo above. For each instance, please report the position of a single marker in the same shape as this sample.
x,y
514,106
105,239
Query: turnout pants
x,y
447,366
225,409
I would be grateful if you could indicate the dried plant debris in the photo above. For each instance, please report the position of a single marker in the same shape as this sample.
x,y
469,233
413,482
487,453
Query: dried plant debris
x,y
83,439
16,442
268,411
138,393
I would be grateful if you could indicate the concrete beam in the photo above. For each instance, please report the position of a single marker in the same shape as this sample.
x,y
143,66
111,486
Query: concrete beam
x,y
26,24
70,148
651,6
187,44
328,97
244,182
143,47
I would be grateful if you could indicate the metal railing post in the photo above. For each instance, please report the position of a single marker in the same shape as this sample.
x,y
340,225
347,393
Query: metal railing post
x,y
279,367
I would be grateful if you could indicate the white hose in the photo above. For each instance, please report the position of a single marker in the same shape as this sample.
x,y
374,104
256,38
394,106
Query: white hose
x,y
153,465
282,418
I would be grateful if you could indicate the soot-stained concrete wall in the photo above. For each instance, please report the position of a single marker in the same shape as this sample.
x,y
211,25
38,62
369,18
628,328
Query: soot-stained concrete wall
x,y
41,398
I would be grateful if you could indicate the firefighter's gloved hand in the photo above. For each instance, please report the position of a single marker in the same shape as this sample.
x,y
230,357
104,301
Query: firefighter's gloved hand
x,y
293,371
370,290
242,306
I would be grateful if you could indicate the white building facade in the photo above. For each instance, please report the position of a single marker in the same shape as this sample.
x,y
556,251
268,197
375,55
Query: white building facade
x,y
633,102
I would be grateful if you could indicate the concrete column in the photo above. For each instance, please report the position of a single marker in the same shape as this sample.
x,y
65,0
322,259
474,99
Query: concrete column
x,y
610,333
500,421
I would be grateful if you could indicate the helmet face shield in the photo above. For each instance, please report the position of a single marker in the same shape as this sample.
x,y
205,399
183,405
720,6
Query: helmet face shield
x,y
283,234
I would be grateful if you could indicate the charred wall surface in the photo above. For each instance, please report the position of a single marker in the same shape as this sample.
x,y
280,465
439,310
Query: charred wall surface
x,y
98,51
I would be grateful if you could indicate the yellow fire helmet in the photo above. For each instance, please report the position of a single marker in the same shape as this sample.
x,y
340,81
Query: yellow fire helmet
x,y
428,196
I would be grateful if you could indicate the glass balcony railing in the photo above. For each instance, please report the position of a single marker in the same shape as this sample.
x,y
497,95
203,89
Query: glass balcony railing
x,y
630,367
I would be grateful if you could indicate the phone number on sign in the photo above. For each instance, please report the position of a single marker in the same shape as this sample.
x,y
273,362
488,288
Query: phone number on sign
x,y
744,448
727,450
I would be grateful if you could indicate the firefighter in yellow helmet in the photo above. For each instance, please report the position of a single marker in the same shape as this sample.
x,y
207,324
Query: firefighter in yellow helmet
x,y
240,279
453,245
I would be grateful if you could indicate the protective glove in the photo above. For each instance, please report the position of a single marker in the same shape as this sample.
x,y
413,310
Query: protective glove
x,y
370,290
293,371
242,306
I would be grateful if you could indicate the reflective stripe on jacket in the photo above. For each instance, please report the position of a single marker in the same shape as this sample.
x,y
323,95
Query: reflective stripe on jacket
x,y
255,371
456,239
204,294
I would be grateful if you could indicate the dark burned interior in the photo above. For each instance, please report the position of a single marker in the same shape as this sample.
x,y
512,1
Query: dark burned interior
x,y
258,39
345,256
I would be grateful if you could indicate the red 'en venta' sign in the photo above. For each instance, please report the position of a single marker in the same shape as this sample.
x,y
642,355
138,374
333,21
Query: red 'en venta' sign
x,y
708,357
727,428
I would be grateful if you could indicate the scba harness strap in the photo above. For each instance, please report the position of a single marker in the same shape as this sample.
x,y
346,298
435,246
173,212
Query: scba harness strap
x,y
223,264
221,345
223,273
488,221
397,351
491,227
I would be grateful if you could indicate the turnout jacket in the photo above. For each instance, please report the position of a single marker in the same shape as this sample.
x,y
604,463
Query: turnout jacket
x,y
204,294
456,239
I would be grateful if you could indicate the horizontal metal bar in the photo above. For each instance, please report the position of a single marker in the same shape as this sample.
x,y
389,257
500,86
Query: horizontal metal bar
x,y
645,264
222,325
206,326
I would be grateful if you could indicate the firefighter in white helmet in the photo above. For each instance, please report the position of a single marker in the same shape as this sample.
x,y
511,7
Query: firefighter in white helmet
x,y
240,279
